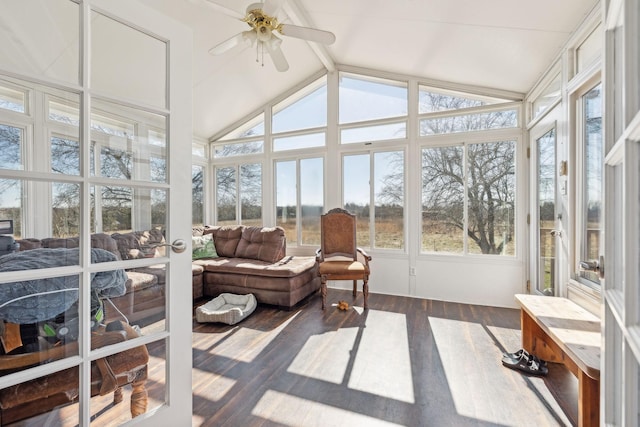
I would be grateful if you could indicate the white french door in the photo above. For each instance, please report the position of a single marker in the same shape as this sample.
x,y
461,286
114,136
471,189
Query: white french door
x,y
95,140
620,395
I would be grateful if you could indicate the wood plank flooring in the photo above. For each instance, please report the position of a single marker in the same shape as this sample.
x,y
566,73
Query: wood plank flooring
x,y
403,362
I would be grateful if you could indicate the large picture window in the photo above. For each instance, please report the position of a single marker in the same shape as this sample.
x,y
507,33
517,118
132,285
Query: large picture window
x,y
300,199
468,199
239,194
379,213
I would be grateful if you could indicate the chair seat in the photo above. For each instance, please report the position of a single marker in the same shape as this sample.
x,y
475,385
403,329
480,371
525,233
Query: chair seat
x,y
341,268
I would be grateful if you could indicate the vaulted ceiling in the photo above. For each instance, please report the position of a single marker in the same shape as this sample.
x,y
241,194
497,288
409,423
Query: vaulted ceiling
x,y
501,44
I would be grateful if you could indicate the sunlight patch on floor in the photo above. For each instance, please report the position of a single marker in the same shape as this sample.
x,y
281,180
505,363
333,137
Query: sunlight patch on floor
x,y
276,407
254,340
217,385
383,361
471,359
325,357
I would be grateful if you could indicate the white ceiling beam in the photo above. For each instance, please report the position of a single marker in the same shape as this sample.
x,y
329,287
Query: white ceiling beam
x,y
298,16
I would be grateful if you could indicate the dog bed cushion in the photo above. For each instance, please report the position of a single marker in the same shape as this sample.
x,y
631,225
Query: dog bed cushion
x,y
227,308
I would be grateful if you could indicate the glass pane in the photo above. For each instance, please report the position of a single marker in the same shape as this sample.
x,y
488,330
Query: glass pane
x,y
389,200
374,133
305,109
469,122
593,160
11,203
548,96
253,127
41,40
299,141
442,200
12,99
65,155
287,200
115,45
142,301
368,98
199,151
112,209
142,369
11,146
431,101
238,149
40,315
197,195
64,111
65,210
45,401
357,194
131,143
311,199
546,177
251,194
491,198
589,50
226,196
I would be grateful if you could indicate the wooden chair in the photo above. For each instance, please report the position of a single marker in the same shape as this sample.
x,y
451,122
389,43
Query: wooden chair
x,y
339,258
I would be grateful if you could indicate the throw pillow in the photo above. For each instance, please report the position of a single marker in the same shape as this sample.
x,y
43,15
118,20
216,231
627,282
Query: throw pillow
x,y
203,247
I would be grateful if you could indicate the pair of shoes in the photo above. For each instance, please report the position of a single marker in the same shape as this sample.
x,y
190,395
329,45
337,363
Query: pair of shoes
x,y
525,362
512,357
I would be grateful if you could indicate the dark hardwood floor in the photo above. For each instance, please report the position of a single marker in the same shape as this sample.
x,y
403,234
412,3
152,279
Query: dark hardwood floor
x,y
403,362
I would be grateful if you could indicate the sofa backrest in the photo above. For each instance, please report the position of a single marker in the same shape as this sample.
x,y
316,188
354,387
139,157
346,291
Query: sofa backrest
x,y
98,240
262,243
226,239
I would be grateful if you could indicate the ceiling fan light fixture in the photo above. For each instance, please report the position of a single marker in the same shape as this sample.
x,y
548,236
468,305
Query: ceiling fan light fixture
x,y
249,37
263,32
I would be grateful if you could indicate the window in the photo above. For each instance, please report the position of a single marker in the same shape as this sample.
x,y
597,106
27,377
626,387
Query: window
x,y
383,98
444,112
590,164
239,194
300,199
549,95
12,99
501,119
385,204
11,143
251,128
371,109
197,195
468,199
306,109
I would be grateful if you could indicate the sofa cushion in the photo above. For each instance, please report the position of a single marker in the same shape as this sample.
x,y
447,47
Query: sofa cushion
x,y
262,243
203,247
226,240
288,267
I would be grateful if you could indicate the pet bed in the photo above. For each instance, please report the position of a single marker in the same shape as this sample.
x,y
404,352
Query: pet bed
x,y
227,308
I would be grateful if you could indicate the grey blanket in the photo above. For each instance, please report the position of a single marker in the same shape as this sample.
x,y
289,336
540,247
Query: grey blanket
x,y
31,301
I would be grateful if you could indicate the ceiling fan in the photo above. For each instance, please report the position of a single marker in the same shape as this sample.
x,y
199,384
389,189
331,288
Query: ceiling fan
x,y
261,17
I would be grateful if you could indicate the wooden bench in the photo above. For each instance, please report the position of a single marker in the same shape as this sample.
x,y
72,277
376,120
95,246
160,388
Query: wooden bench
x,y
560,331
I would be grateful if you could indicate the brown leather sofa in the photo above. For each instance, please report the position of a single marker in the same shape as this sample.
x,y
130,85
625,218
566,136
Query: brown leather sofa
x,y
253,260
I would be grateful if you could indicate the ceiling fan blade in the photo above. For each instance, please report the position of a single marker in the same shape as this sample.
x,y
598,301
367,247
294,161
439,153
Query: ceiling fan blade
x,y
310,34
273,47
228,44
223,9
272,7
